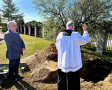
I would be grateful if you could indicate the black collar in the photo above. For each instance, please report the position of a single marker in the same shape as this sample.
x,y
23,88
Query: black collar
x,y
67,32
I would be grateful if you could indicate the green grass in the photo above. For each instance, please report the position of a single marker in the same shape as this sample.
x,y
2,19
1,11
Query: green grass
x,y
110,37
33,45
0,30
90,52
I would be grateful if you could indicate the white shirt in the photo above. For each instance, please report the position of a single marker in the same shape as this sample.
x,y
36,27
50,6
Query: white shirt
x,y
69,54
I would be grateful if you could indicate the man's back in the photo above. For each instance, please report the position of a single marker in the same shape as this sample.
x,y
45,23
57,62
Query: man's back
x,y
68,46
69,56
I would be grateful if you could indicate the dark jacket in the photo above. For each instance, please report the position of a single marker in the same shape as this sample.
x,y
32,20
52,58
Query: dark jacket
x,y
14,45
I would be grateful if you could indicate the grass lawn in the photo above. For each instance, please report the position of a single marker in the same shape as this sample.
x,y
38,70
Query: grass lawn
x,y
90,52
110,37
0,30
33,45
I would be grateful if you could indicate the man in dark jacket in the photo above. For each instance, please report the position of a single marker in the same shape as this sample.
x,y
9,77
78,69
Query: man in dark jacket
x,y
15,48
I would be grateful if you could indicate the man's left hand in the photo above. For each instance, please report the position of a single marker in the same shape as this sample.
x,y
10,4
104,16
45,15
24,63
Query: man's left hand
x,y
23,49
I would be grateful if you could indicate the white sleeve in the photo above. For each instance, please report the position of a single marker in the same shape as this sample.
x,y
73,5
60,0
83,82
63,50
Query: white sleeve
x,y
81,40
58,41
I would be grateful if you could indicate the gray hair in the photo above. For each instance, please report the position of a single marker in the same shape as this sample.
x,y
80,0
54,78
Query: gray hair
x,y
69,23
10,23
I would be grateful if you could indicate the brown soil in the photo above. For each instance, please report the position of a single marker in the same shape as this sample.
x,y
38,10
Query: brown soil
x,y
41,73
96,70
43,65
47,54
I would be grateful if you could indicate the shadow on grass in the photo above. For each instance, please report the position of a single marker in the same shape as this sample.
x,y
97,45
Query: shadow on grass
x,y
91,48
1,39
20,85
91,52
7,65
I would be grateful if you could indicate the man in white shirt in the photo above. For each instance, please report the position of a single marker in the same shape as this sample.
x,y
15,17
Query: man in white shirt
x,y
68,45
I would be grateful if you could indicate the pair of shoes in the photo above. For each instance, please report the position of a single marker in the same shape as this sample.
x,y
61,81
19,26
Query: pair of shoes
x,y
19,77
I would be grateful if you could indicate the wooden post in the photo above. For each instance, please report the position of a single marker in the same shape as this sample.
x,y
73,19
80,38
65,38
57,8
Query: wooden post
x,y
25,29
35,30
20,28
17,29
43,32
29,28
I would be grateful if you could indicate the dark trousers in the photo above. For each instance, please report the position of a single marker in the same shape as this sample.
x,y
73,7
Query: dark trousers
x,y
13,67
68,81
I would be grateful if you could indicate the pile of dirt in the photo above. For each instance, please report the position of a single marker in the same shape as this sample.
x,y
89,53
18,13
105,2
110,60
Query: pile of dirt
x,y
46,72
95,74
43,65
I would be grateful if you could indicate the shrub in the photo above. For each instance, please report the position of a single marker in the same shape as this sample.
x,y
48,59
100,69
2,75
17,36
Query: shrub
x,y
4,29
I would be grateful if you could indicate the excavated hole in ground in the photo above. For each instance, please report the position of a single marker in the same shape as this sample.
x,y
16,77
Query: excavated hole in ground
x,y
96,70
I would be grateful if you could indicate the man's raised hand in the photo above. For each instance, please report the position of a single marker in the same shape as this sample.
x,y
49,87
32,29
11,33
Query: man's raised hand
x,y
84,26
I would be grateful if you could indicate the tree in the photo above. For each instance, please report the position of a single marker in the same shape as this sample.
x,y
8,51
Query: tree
x,y
51,28
10,11
0,20
92,12
51,8
20,20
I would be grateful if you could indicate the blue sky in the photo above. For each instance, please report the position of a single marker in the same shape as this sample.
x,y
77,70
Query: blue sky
x,y
27,7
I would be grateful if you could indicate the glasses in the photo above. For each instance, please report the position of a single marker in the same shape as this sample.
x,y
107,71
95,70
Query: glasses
x,y
14,25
